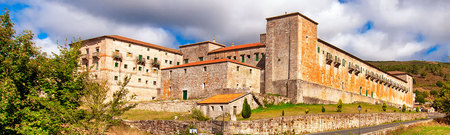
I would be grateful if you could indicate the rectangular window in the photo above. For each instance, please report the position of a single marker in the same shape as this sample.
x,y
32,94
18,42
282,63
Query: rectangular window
x,y
148,49
242,58
248,56
237,68
140,68
256,56
170,62
97,49
125,66
178,63
200,58
116,78
87,51
154,82
185,71
148,57
139,80
129,54
155,59
250,71
140,57
318,49
204,68
117,50
96,65
186,61
146,70
154,71
234,57
229,57
165,61
116,64
343,62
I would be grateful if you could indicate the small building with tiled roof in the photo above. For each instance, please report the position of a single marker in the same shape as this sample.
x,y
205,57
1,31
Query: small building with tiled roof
x,y
226,104
203,79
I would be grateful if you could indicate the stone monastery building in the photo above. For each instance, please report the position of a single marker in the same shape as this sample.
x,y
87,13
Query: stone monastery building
x,y
289,60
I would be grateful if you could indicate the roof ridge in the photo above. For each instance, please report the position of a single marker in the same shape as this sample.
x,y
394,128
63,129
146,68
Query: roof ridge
x,y
242,46
209,62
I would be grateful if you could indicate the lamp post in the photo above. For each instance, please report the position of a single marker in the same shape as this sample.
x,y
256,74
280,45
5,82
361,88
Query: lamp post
x,y
399,110
359,109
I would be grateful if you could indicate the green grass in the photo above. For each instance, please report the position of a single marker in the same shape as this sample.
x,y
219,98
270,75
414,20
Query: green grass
x,y
153,115
430,128
299,109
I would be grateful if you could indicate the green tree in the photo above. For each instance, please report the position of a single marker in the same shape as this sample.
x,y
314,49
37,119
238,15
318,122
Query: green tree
x,y
439,84
282,113
323,108
339,106
417,109
384,106
246,110
404,108
442,101
101,113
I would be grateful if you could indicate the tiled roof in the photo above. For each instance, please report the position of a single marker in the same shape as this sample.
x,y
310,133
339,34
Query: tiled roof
x,y
237,47
222,98
121,38
202,43
209,62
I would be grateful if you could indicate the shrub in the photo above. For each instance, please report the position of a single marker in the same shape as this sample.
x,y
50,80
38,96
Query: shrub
x,y
198,115
404,108
282,113
409,110
417,109
395,110
246,110
339,106
439,84
366,110
323,109
306,111
384,106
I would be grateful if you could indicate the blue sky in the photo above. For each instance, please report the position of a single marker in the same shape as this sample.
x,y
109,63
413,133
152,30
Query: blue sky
x,y
371,30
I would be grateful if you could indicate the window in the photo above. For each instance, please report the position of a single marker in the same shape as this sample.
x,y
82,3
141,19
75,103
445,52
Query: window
x,y
248,56
360,90
170,73
318,49
146,81
140,68
237,68
155,71
229,57
166,53
117,50
237,85
148,57
242,58
129,54
87,64
116,64
256,56
87,51
178,63
140,57
212,108
155,59
200,58
170,62
262,55
250,71
185,70
134,68
97,49
186,61
146,70
96,65
154,83
234,57
139,79
221,108
204,68
129,45
343,62
116,78
371,94
203,85
367,93
148,49
165,61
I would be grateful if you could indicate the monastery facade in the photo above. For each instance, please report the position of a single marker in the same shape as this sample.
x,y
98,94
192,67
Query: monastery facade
x,y
289,60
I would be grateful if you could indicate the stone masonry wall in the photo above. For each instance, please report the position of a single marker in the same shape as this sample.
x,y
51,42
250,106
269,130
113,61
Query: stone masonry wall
x,y
168,105
295,124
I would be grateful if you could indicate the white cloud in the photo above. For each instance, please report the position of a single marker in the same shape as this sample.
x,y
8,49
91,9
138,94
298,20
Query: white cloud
x,y
396,22
47,45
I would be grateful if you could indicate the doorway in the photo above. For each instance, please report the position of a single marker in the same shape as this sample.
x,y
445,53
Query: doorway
x,y
184,94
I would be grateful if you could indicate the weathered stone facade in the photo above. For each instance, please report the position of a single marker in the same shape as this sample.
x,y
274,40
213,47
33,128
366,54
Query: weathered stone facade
x,y
196,79
293,124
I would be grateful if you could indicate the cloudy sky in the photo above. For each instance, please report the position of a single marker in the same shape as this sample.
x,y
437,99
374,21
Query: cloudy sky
x,y
371,30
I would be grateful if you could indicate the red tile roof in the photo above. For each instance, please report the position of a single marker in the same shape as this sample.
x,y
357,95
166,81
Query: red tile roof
x,y
125,39
209,62
222,98
231,48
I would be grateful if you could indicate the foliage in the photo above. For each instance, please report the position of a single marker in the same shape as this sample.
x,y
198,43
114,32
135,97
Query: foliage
x,y
420,96
101,113
246,110
198,115
442,100
413,67
384,106
282,113
417,109
39,94
439,84
434,92
323,108
339,106
404,108
306,111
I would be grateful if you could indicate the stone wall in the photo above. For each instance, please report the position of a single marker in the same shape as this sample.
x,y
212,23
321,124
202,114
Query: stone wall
x,y
264,99
168,105
294,124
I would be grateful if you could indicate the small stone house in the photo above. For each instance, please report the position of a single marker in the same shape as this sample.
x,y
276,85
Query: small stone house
x,y
226,104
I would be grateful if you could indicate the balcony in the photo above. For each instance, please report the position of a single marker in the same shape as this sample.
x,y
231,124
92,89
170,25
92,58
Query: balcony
x,y
337,62
117,56
95,55
84,56
351,68
329,58
140,61
156,64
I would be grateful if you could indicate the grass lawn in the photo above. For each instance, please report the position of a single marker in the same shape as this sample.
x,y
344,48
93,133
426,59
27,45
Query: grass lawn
x,y
299,109
430,128
153,115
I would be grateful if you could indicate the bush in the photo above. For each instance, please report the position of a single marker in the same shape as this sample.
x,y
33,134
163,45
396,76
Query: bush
x,y
198,115
417,109
246,110
395,110
404,108
323,109
282,113
384,106
439,84
306,111
339,106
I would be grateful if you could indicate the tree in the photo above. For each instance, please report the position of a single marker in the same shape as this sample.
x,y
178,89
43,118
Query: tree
x,y
101,113
404,108
323,108
39,94
442,101
417,109
282,113
439,84
339,106
384,106
246,110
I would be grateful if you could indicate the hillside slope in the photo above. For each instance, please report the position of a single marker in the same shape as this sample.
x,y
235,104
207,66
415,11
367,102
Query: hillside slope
x,y
425,73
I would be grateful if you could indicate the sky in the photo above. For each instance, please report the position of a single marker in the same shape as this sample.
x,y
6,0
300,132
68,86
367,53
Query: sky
x,y
381,30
